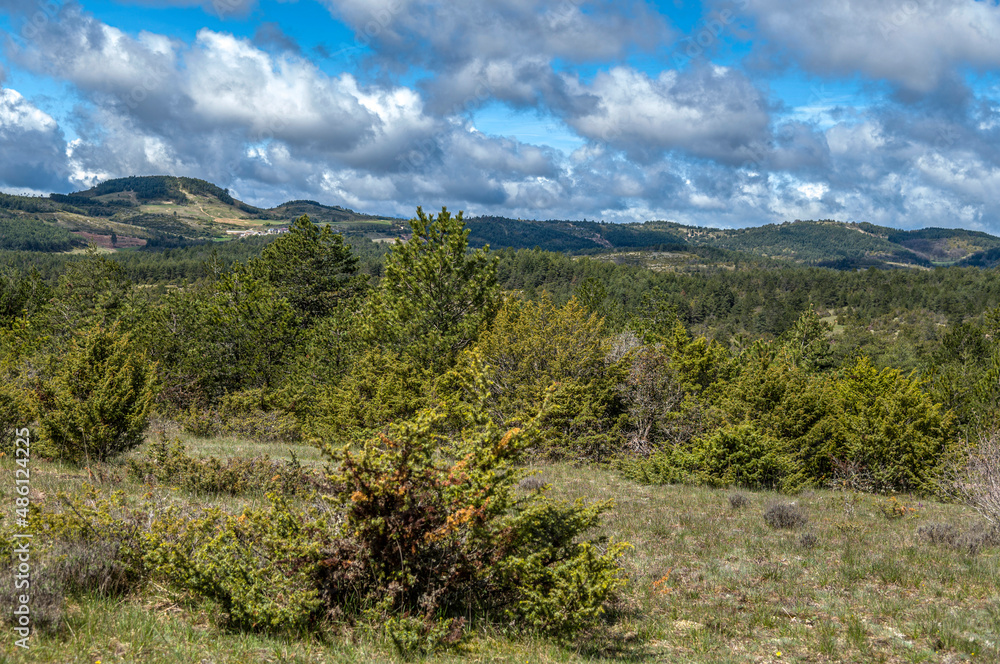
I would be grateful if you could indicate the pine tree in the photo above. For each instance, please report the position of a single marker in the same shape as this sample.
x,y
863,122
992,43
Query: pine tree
x,y
310,266
435,295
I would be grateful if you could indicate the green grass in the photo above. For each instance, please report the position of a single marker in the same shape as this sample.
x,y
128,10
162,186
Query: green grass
x,y
707,583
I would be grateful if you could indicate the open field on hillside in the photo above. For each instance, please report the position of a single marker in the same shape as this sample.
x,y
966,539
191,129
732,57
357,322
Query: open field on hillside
x,y
707,582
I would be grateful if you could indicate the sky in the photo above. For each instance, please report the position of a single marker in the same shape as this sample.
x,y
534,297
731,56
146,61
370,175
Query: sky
x,y
725,113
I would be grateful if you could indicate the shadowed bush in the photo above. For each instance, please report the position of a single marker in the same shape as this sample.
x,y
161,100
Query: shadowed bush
x,y
47,604
738,501
971,542
785,515
808,540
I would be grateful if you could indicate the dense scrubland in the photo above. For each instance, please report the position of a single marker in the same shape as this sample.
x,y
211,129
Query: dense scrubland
x,y
322,449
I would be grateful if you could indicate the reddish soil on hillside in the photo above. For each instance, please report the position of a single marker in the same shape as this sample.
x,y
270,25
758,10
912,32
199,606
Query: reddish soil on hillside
x,y
104,241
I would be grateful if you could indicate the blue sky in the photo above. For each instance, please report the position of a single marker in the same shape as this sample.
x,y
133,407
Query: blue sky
x,y
715,113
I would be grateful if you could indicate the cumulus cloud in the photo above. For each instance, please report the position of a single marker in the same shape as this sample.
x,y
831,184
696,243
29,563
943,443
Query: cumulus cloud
x,y
915,44
33,147
218,83
704,144
434,32
481,50
223,109
706,111
232,84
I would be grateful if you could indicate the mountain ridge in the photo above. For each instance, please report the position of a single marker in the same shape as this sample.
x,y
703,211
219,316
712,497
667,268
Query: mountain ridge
x,y
163,210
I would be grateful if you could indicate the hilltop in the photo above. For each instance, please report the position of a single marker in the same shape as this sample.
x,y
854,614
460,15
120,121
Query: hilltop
x,y
165,211
155,210
829,243
824,243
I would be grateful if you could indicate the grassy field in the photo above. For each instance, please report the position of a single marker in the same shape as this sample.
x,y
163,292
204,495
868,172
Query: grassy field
x,y
707,583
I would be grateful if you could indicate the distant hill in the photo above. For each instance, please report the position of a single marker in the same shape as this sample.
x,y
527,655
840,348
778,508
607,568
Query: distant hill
x,y
989,258
139,211
318,212
158,210
165,211
945,245
823,243
574,236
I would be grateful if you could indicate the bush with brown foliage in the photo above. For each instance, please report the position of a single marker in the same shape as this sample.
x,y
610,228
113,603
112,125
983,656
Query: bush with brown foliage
x,y
434,532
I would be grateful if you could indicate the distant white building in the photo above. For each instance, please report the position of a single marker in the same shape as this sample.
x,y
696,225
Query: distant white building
x,y
257,233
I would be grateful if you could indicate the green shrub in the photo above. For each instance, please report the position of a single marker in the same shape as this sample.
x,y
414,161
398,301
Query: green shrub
x,y
19,344
537,353
200,422
887,424
734,455
738,455
560,584
97,403
257,414
780,426
12,415
382,387
258,568
665,466
253,414
169,463
221,336
434,528
414,636
577,421
310,266
436,295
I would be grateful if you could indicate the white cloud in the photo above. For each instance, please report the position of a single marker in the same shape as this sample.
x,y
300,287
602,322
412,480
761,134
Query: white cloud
x,y
708,111
231,83
912,43
33,147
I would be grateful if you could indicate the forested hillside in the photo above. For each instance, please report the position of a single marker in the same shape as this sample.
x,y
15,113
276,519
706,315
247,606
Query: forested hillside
x,y
36,236
167,211
423,381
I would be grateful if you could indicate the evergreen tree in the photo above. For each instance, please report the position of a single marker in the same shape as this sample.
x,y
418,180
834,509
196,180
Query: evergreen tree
x,y
97,404
806,342
435,295
310,266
